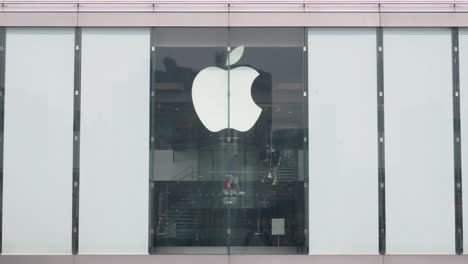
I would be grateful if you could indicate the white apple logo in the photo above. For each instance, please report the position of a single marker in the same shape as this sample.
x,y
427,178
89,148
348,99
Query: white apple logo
x,y
223,98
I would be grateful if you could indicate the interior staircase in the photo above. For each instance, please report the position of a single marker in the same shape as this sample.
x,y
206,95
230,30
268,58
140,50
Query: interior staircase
x,y
183,206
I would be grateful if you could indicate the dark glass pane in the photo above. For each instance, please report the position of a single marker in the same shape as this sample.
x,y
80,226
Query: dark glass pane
x,y
268,159
189,160
218,152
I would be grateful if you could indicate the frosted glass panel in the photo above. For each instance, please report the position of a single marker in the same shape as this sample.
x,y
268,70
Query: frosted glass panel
x,y
343,166
114,141
464,126
419,141
37,193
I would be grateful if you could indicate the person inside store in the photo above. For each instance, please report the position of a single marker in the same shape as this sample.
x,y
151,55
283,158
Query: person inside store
x,y
271,158
275,163
265,159
231,183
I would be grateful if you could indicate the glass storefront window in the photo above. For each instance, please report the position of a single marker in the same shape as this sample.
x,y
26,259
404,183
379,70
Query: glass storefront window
x,y
224,113
188,159
228,159
268,158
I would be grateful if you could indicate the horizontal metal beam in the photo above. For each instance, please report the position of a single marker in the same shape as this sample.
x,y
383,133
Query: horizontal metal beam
x,y
240,13
236,2
233,6
234,19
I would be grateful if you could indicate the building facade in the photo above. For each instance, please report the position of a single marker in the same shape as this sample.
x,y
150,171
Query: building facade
x,y
233,131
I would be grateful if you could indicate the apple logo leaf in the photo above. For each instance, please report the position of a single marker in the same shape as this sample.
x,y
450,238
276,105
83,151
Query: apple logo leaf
x,y
235,55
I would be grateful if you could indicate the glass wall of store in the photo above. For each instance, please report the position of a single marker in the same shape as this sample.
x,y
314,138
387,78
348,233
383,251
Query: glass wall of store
x,y
228,156
189,160
267,147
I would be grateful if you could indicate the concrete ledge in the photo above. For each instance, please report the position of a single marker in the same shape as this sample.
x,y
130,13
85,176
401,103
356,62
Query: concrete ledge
x,y
304,19
38,19
426,259
173,259
191,19
233,259
36,259
116,19
247,19
424,19
266,19
304,259
341,20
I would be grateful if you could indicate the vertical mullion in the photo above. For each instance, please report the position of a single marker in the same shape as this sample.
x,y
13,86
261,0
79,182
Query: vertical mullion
x,y
305,111
152,84
2,115
381,141
228,134
76,142
457,143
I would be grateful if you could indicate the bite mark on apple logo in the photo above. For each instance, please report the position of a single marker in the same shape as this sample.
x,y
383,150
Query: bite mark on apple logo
x,y
219,93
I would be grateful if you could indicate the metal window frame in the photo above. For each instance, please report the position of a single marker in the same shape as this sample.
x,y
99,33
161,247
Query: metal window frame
x,y
305,110
2,122
152,141
381,141
457,143
76,142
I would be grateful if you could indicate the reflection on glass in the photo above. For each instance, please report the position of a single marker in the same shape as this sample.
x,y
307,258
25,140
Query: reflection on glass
x,y
267,160
228,159
189,160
